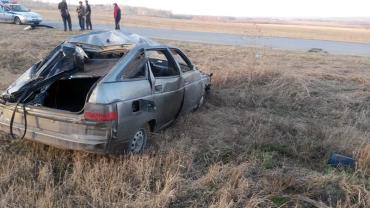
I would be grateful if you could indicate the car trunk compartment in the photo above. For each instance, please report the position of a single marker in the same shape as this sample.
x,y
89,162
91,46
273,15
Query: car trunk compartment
x,y
69,94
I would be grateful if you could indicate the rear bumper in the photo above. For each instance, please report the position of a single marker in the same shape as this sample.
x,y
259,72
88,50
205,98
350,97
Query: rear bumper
x,y
75,142
61,134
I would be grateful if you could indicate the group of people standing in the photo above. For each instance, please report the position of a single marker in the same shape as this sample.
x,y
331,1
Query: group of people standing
x,y
84,15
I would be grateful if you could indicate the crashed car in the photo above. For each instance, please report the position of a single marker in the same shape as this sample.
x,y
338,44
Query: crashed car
x,y
103,92
18,14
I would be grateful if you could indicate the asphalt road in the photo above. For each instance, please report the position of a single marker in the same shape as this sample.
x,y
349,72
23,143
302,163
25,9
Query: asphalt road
x,y
333,47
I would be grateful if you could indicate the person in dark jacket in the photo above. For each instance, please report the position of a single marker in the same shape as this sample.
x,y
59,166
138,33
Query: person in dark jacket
x,y
117,16
66,17
88,16
81,15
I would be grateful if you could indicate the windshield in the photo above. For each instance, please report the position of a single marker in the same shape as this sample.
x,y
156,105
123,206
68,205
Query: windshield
x,y
18,8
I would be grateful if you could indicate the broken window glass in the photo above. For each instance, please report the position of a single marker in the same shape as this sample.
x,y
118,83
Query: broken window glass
x,y
184,63
161,63
136,69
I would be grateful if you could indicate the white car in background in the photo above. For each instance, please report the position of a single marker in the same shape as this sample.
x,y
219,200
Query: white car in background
x,y
18,14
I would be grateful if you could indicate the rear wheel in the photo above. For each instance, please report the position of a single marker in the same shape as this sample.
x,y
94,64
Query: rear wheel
x,y
200,102
139,141
17,21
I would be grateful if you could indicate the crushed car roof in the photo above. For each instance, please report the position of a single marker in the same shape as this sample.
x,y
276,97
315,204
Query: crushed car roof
x,y
111,38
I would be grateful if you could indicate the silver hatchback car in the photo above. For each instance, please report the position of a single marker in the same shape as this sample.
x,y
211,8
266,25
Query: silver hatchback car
x,y
103,92
18,14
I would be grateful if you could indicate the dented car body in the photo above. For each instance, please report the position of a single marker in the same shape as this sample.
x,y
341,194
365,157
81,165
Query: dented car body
x,y
102,92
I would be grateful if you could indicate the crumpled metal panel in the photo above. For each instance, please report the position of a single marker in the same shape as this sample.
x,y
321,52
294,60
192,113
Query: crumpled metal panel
x,y
109,38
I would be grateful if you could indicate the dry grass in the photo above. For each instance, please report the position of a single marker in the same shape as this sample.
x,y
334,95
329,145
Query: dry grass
x,y
261,140
292,29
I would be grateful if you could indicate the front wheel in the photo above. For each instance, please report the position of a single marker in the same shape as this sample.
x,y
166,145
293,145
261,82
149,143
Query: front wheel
x,y
139,141
17,21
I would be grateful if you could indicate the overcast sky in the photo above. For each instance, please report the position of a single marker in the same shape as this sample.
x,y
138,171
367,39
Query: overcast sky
x,y
253,8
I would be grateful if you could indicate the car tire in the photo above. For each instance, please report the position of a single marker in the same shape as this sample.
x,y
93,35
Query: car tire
x,y
139,141
17,21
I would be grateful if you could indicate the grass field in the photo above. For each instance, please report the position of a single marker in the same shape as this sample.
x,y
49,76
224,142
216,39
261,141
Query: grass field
x,y
294,29
261,140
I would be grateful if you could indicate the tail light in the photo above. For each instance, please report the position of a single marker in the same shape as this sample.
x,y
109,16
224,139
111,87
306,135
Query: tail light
x,y
101,113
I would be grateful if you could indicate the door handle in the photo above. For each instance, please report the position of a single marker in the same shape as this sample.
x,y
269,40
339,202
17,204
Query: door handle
x,y
158,88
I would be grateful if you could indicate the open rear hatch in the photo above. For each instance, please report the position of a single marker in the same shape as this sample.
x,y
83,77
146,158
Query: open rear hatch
x,y
64,80
54,93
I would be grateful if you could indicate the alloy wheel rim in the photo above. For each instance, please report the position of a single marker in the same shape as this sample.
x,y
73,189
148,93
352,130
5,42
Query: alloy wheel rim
x,y
137,142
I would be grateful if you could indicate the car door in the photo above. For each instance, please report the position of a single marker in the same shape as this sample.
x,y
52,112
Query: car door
x,y
8,15
194,88
168,87
134,92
